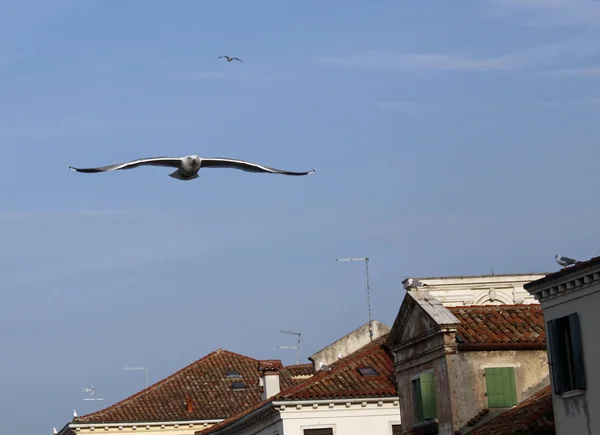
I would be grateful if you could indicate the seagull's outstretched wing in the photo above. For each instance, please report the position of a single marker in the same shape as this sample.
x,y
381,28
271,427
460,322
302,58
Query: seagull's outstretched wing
x,y
173,162
235,58
219,162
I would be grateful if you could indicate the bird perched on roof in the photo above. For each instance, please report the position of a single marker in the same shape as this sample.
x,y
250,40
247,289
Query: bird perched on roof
x,y
187,167
413,282
74,413
54,431
229,59
565,261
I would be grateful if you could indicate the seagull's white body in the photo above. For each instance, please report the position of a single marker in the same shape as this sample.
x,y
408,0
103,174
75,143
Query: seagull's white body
x,y
564,261
413,282
187,167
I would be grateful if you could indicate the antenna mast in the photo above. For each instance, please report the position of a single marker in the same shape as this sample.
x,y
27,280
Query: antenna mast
x,y
366,260
297,347
90,390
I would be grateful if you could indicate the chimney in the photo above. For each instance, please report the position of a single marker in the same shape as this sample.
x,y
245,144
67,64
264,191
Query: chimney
x,y
269,376
189,404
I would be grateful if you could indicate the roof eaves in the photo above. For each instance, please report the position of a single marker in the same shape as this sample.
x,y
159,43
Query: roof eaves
x,y
563,274
82,419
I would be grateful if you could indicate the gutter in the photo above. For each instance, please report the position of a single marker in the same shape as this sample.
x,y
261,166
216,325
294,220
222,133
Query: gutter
x,y
82,425
335,401
466,347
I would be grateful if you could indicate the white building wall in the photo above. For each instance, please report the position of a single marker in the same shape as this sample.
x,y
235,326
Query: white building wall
x,y
356,419
573,415
481,290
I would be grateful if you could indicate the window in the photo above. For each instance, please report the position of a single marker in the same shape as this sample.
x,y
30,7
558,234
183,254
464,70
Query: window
x,y
567,371
500,387
320,431
424,397
233,374
367,371
238,386
396,429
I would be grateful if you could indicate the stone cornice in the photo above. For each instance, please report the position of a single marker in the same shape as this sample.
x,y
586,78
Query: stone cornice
x,y
565,284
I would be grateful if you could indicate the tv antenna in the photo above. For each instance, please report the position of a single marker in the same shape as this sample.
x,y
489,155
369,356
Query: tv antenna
x,y
92,391
297,347
138,368
366,260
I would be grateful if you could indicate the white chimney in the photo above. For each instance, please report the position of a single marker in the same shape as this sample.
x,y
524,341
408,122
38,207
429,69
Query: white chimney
x,y
269,376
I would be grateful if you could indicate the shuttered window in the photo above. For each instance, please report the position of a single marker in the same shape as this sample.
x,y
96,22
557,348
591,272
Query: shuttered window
x,y
396,429
500,386
565,354
424,397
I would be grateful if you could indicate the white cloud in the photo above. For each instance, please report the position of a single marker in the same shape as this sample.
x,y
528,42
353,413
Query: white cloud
x,y
548,13
533,58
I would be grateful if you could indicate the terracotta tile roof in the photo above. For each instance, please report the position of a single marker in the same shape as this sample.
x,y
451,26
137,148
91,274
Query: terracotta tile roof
x,y
577,267
500,323
300,370
533,416
342,381
205,382
270,365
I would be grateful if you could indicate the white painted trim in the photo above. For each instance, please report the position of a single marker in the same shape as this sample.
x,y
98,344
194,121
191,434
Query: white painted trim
x,y
140,424
569,296
499,365
336,401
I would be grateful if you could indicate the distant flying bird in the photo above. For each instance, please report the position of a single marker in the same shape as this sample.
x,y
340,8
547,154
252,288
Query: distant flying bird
x,y
564,261
188,166
413,282
229,59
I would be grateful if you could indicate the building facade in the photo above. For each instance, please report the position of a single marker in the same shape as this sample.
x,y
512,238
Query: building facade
x,y
480,289
460,365
570,299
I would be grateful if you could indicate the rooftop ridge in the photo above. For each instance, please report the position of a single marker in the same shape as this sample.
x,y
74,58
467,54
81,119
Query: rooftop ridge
x,y
496,275
338,366
159,384
341,365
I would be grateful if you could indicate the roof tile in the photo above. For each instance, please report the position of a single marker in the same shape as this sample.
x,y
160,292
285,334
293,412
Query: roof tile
x,y
532,416
205,382
341,381
500,323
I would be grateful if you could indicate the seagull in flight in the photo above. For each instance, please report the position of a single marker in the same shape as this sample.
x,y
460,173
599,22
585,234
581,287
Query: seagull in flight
x,y
565,261
187,167
229,59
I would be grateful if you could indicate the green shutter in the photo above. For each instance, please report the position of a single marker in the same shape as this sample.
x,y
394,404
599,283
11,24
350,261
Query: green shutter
x,y
553,352
577,352
501,387
428,396
417,399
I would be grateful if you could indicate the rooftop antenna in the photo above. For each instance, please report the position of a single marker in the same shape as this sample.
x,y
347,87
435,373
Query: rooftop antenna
x,y
92,391
297,347
366,260
138,368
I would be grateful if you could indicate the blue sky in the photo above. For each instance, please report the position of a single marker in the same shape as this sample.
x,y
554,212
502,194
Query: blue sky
x,y
448,138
